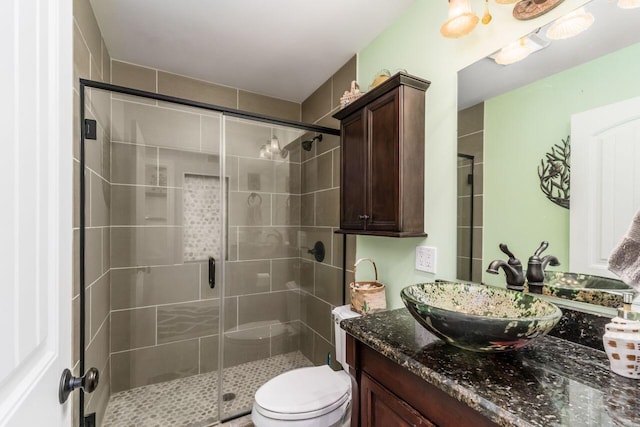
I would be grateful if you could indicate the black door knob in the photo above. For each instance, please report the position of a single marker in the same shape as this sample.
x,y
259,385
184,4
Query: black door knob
x,y
88,382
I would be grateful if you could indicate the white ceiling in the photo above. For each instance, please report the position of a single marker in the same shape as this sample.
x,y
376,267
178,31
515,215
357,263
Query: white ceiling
x,y
613,29
281,48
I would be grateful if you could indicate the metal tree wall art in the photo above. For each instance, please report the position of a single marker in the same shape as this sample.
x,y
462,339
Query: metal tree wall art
x,y
555,172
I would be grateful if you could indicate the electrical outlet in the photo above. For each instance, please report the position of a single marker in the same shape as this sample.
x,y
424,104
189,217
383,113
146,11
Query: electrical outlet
x,y
426,259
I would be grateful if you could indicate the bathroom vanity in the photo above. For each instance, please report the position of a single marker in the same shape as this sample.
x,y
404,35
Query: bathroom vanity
x,y
403,375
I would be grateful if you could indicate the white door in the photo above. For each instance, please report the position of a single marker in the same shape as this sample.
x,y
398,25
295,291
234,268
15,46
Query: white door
x,y
605,182
35,209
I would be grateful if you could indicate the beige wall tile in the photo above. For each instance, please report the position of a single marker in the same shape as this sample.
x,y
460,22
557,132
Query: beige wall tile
x,y
86,20
76,194
307,275
232,173
75,264
309,174
141,287
317,104
328,208
329,142
81,58
100,297
158,126
286,209
96,68
249,208
306,341
97,352
266,243
100,200
106,249
328,284
211,134
134,164
93,254
248,277
76,126
472,145
316,314
244,138
307,209
471,119
175,164
133,76
133,328
75,339
336,167
256,175
196,90
179,322
139,246
324,179
272,307
106,63
285,274
283,178
273,107
209,354
133,205
153,365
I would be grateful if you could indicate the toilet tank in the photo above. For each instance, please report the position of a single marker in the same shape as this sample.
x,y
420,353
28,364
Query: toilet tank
x,y
339,314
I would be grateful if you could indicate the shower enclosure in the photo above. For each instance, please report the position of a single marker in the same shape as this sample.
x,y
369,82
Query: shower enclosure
x,y
199,207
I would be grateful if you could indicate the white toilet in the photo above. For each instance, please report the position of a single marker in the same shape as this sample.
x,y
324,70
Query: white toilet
x,y
309,397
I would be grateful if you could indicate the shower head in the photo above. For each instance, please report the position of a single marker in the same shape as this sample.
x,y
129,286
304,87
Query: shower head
x,y
307,145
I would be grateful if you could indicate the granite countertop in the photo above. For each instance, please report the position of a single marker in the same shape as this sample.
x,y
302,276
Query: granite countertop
x,y
551,382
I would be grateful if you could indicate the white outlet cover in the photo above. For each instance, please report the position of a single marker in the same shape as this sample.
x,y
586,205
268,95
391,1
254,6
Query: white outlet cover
x,y
426,258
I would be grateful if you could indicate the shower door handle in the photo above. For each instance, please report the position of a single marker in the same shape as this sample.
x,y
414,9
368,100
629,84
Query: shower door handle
x,y
212,272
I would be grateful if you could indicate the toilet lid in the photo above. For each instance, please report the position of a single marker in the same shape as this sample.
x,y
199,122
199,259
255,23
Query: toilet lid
x,y
304,392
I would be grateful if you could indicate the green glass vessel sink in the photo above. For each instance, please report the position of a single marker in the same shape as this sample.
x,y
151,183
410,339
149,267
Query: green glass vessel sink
x,y
478,317
585,288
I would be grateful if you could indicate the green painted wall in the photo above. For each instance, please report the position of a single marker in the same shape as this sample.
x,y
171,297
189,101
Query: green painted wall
x,y
520,127
413,42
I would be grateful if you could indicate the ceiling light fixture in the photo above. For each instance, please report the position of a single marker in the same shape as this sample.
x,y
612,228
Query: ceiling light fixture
x,y
628,4
462,20
506,1
570,25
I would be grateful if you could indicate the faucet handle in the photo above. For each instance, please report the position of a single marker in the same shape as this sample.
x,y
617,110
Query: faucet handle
x,y
505,250
543,246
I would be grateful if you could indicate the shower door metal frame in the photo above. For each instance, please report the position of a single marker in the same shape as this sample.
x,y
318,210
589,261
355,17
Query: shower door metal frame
x,y
231,112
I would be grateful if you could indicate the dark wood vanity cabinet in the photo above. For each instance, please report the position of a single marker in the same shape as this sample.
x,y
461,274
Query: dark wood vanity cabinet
x,y
385,394
382,160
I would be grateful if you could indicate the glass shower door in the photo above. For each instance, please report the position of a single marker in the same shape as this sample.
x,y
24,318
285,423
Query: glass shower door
x,y
165,232
262,276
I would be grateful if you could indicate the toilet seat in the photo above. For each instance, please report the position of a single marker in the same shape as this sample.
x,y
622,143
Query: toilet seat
x,y
303,393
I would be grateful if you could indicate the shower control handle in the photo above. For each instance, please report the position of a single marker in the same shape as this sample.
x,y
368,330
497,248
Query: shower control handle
x,y
212,272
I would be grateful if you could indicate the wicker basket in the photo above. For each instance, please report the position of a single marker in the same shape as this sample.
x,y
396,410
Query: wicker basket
x,y
367,297
350,96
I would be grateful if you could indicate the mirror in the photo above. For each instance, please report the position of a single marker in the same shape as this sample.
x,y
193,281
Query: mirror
x,y
512,116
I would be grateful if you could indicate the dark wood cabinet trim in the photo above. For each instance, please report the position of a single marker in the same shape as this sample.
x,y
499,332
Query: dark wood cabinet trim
x,y
426,399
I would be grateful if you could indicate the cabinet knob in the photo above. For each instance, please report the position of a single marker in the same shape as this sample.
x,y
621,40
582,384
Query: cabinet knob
x,y
363,216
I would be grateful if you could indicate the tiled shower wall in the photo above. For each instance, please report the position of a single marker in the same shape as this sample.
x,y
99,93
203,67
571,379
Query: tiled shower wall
x,y
470,142
321,282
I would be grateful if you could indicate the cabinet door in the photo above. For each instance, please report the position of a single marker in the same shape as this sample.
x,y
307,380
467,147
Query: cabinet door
x,y
384,163
381,408
353,173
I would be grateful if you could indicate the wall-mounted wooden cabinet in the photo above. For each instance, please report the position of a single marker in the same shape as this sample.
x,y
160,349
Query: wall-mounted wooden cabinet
x,y
382,160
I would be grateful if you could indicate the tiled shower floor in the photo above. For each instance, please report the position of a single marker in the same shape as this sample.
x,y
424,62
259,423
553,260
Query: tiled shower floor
x,y
193,401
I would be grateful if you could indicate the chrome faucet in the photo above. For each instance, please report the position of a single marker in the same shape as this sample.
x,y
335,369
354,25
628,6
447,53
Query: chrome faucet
x,y
512,269
536,266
